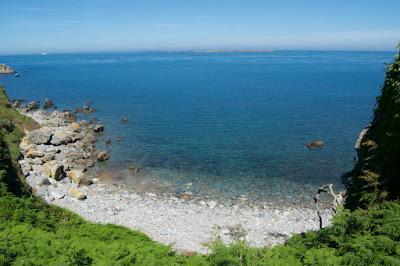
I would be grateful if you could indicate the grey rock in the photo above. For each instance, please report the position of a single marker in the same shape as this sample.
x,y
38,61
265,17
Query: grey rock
x,y
40,136
63,137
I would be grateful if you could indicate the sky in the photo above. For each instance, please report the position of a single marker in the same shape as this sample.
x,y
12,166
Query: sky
x,y
54,26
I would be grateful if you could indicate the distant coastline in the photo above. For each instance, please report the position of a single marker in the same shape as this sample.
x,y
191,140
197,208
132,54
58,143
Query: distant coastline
x,y
233,51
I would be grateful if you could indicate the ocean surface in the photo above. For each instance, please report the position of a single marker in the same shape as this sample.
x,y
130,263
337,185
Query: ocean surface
x,y
225,126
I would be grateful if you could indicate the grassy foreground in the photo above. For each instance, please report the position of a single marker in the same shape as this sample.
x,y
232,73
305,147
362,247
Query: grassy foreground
x,y
366,232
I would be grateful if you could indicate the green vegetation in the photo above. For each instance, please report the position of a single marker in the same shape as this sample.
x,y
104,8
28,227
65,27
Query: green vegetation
x,y
366,232
377,174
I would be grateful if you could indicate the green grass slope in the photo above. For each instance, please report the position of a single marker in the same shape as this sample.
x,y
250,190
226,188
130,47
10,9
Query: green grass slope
x,y
366,232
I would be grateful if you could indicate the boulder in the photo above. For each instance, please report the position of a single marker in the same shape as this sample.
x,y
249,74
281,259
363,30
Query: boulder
x,y
32,106
78,177
63,137
54,170
47,157
76,193
98,128
76,127
48,103
25,167
25,144
4,69
33,153
315,144
69,117
39,136
102,156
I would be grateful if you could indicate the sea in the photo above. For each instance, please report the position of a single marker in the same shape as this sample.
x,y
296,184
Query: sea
x,y
229,126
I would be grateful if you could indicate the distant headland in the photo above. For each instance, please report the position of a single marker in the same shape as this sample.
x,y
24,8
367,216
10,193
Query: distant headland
x,y
233,51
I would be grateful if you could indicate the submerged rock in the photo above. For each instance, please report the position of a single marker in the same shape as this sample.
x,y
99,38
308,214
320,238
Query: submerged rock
x,y
134,169
315,144
85,109
124,119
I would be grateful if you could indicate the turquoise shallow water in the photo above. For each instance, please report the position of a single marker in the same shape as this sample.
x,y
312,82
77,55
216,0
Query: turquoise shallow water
x,y
231,124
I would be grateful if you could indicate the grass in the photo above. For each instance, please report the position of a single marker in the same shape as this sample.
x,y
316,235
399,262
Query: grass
x,y
366,232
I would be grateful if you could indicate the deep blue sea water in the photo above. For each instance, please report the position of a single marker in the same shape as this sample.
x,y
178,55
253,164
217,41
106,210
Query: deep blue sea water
x,y
232,124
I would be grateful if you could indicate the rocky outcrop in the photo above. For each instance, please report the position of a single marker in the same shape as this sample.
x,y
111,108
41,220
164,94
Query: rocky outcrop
x,y
4,69
58,149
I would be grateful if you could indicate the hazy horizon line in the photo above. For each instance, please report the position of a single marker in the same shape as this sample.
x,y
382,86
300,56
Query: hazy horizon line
x,y
211,51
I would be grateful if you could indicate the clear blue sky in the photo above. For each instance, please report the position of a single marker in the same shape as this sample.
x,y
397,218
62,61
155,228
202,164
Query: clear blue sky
x,y
99,25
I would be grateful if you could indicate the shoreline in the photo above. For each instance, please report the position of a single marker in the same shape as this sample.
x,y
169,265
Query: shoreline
x,y
59,169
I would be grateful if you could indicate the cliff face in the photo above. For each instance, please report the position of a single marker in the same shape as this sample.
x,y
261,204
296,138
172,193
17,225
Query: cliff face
x,y
4,69
376,176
